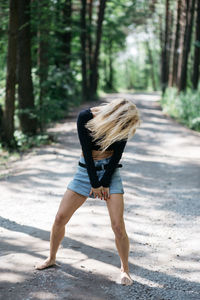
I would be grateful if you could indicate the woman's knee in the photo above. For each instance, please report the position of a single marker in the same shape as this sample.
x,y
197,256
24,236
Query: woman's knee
x,y
60,219
119,229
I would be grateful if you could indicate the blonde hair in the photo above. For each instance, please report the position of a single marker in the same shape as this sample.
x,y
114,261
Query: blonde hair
x,y
115,121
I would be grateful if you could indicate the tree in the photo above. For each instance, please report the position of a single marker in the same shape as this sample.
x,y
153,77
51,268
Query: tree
x,y
67,22
195,77
94,76
42,61
170,44
8,117
25,89
113,41
165,48
83,51
189,13
175,58
150,58
89,38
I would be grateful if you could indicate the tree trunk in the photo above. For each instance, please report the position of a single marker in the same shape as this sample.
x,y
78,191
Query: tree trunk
x,y
105,72
25,90
187,43
89,35
161,47
57,33
164,73
183,18
171,46
94,82
83,51
42,58
67,10
150,57
8,117
110,57
176,46
195,77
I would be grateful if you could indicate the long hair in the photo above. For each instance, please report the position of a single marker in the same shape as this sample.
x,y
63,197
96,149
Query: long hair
x,y
115,121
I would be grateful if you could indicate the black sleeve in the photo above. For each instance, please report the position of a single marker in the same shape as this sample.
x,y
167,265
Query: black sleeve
x,y
118,150
86,147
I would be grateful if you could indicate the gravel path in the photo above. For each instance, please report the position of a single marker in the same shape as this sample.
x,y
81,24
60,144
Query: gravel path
x,y
161,176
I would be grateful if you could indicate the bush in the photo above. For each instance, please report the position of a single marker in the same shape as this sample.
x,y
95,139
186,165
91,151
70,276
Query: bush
x,y
24,142
62,93
184,106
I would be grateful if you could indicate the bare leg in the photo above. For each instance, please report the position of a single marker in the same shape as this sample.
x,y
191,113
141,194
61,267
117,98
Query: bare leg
x,y
116,209
70,203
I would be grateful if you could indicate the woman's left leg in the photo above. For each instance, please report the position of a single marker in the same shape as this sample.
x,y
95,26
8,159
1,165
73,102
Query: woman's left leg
x,y
116,210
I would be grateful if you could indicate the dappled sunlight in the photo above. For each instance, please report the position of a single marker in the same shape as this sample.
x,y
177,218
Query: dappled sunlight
x,y
11,277
43,295
159,204
58,59
18,263
148,282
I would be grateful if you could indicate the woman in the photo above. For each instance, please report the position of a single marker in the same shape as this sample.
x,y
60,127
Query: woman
x,y
103,133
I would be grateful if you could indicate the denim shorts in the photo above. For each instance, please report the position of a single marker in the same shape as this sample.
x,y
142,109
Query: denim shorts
x,y
81,182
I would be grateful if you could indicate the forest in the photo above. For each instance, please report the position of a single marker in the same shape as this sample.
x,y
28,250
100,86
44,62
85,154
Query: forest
x,y
57,54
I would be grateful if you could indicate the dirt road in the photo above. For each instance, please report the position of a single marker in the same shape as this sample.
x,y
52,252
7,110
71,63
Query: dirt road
x,y
161,176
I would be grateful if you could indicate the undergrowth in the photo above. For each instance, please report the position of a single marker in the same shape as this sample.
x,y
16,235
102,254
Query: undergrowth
x,y
184,106
21,144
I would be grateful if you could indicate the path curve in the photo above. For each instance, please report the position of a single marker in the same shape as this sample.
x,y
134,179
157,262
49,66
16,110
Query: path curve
x,y
161,176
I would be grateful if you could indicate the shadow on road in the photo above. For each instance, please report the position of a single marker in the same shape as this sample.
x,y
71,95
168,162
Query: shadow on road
x,y
66,278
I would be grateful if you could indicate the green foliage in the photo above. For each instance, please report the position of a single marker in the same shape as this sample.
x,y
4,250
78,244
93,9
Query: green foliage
x,y
62,87
62,93
24,142
124,63
185,107
113,41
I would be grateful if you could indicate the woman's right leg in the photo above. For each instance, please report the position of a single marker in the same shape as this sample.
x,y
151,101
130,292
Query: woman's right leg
x,y
70,203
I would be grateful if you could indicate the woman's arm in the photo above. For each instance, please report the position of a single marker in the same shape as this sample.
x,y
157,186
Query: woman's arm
x,y
118,150
85,141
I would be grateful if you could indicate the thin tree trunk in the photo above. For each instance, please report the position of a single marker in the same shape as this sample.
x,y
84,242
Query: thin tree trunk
x,y
42,58
8,117
83,51
195,77
25,90
161,46
67,10
150,57
164,74
94,83
176,46
171,46
187,43
105,72
89,34
110,57
183,20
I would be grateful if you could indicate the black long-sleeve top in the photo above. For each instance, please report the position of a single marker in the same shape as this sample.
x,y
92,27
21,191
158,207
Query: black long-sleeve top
x,y
88,145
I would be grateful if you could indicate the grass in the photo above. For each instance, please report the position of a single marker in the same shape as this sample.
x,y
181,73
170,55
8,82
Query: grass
x,y
184,106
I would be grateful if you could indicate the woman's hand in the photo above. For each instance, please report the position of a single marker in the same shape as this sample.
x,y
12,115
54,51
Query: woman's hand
x,y
106,193
97,192
101,192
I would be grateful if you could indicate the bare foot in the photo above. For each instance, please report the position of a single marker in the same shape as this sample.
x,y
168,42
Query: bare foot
x,y
46,264
126,279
